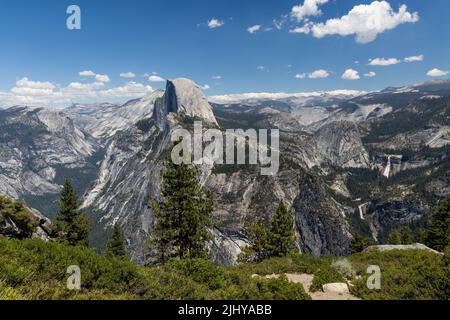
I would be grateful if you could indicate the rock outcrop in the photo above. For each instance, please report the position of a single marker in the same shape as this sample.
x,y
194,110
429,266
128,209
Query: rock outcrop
x,y
17,221
388,247
340,143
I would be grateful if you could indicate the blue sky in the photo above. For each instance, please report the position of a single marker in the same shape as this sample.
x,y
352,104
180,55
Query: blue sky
x,y
39,56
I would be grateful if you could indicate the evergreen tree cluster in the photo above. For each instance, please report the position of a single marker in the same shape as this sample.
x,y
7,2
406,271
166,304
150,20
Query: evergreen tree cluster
x,y
115,247
183,216
273,240
438,235
72,226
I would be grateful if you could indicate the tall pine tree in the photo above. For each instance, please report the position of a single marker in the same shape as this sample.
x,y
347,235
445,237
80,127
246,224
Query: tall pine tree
x,y
72,226
281,235
439,226
115,247
182,218
258,234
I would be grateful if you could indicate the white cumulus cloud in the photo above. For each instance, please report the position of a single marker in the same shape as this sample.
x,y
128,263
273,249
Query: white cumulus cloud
x,y
215,23
366,21
350,74
308,8
98,77
102,78
27,83
383,62
47,94
437,73
87,73
319,74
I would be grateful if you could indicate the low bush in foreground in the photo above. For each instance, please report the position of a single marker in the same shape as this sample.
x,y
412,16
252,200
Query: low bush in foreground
x,y
33,269
324,276
405,275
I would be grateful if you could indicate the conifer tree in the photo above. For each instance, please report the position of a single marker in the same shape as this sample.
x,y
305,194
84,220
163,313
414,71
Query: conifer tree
x,y
116,245
282,235
258,234
72,225
439,226
359,243
400,236
182,217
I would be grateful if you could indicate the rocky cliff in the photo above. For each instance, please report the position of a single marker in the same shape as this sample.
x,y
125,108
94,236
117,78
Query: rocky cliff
x,y
36,145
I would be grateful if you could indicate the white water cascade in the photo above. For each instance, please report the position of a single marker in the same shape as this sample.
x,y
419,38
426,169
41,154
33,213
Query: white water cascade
x,y
361,212
387,171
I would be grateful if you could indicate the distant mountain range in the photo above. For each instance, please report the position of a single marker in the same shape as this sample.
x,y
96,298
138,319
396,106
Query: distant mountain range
x,y
351,162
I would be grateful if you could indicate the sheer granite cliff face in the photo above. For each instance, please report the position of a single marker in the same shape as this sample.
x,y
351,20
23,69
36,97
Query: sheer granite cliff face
x,y
321,224
340,143
35,144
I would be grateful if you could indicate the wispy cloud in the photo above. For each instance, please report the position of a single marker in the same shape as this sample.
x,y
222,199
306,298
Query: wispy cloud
x,y
262,68
155,78
127,75
254,29
370,74
414,58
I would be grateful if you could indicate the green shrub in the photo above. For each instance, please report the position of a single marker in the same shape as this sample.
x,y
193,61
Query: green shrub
x,y
405,275
199,270
281,289
323,276
345,268
243,287
16,211
31,262
34,269
294,262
